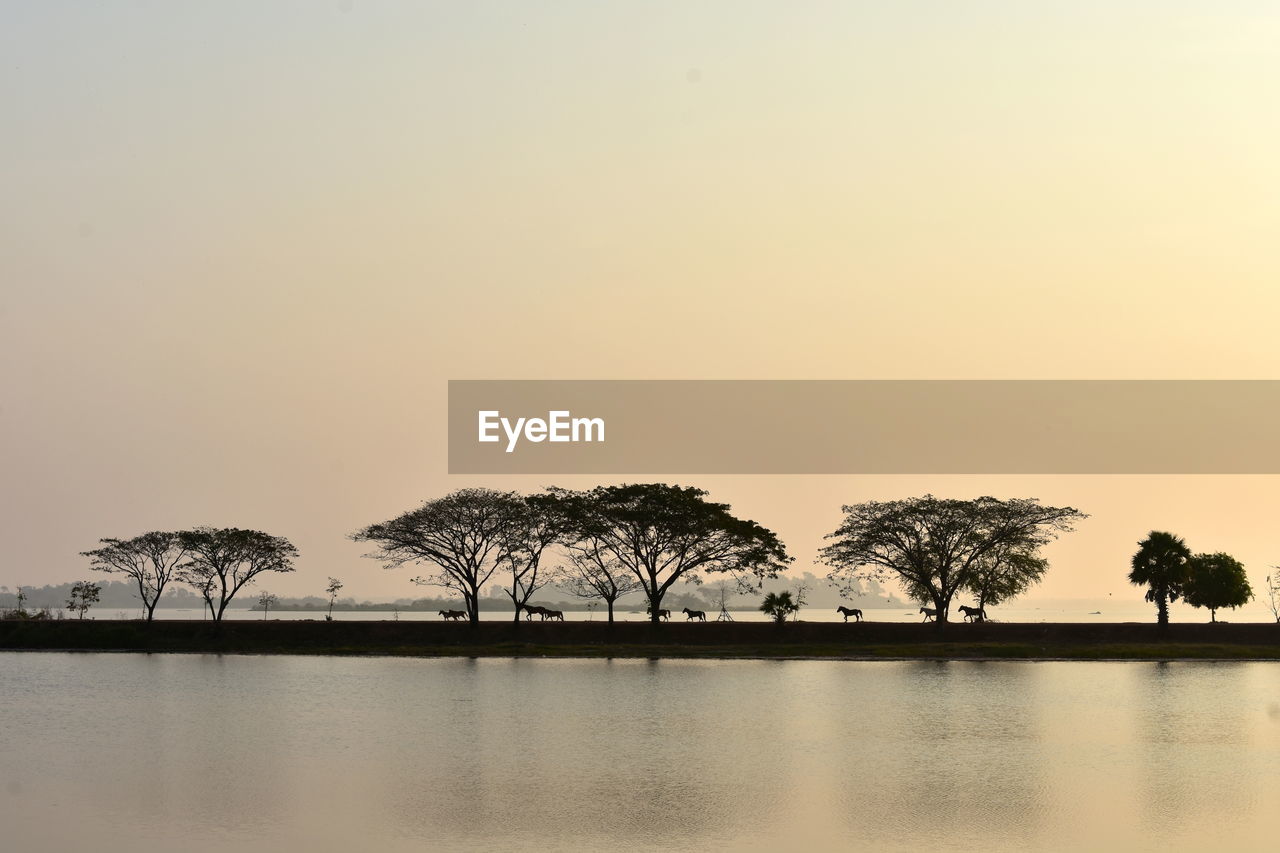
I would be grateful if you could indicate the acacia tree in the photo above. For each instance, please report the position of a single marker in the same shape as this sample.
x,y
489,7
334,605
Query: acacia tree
x,y
464,536
1217,580
935,546
222,561
151,560
661,534
1161,564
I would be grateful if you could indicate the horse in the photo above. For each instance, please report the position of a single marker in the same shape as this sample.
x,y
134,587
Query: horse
x,y
453,614
850,611
664,614
929,614
531,610
700,615
552,614
970,613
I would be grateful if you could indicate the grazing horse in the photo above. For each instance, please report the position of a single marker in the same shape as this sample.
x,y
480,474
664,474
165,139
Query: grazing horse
x,y
664,614
850,611
453,614
531,610
929,614
552,614
700,615
973,613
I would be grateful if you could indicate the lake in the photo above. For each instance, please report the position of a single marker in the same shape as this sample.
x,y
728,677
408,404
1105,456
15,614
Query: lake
x,y
116,752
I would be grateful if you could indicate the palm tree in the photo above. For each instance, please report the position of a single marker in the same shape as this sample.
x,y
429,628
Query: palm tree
x,y
1161,565
778,606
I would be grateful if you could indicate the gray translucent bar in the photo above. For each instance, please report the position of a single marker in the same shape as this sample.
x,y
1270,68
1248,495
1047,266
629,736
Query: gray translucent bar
x,y
869,427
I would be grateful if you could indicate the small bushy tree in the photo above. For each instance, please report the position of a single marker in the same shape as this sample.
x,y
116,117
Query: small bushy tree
x,y
84,594
1217,580
778,606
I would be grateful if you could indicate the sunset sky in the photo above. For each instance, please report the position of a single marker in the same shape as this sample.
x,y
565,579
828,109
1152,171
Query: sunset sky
x,y
244,245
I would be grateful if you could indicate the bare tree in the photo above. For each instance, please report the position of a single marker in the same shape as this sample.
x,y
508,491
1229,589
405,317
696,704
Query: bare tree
x,y
332,589
265,600
222,561
534,525
464,536
1273,594
592,573
150,560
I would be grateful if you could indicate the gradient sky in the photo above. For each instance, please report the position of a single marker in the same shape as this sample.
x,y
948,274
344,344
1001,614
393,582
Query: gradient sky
x,y
244,245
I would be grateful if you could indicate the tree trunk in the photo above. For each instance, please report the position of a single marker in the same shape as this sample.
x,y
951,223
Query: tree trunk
x,y
151,610
1162,609
1213,614
610,603
654,605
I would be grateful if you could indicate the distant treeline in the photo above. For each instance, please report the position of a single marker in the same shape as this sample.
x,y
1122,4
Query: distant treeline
x,y
817,593
118,595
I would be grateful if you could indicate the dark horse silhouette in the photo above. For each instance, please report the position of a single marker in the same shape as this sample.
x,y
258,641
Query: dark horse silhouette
x,y
453,614
531,610
664,614
700,615
929,614
973,613
850,611
552,614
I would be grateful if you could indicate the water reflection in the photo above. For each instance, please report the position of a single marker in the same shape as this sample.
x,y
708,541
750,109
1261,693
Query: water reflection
x,y
205,753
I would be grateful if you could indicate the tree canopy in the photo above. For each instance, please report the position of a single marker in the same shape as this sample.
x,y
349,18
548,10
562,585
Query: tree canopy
x,y
661,534
222,561
150,561
464,537
938,546
1162,564
1215,581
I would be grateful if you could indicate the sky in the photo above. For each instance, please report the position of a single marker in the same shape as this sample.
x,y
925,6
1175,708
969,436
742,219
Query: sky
x,y
244,245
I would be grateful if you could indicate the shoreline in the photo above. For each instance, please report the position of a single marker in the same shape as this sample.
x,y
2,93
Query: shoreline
x,y
1122,641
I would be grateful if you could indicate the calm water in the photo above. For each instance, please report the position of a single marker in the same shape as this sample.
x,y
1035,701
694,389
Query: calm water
x,y
157,753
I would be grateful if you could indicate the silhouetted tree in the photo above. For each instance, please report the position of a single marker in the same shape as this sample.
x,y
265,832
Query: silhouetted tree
x,y
265,600
83,596
1273,594
661,534
1005,573
151,560
535,524
1161,564
465,536
935,546
332,589
1217,580
778,606
592,572
222,561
